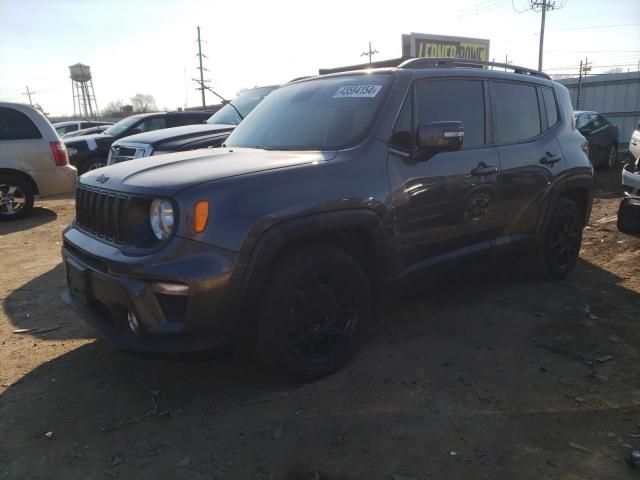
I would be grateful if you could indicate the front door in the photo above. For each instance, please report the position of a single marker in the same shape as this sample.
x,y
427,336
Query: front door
x,y
444,203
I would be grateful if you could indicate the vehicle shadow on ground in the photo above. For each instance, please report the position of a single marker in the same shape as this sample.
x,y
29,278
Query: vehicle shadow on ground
x,y
38,216
38,308
454,364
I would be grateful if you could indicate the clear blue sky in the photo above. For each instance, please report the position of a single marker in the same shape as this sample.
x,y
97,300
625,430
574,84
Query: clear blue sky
x,y
144,46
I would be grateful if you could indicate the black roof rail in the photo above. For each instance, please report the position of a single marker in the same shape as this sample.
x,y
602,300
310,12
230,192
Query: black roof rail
x,y
463,62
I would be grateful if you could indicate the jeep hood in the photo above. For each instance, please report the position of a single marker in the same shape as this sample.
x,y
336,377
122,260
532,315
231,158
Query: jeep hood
x,y
166,175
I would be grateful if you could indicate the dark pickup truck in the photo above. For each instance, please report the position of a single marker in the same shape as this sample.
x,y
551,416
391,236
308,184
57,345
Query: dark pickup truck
x,y
192,137
88,152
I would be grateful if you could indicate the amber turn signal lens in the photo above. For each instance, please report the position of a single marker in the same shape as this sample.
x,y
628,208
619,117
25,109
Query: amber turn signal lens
x,y
200,215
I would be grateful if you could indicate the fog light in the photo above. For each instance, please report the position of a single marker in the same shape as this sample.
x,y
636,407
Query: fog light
x,y
134,325
171,288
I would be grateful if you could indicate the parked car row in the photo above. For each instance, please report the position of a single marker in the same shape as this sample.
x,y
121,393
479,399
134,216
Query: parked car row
x,y
177,139
333,191
88,152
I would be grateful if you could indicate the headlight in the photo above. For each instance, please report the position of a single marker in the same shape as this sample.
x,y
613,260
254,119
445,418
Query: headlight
x,y
161,218
72,152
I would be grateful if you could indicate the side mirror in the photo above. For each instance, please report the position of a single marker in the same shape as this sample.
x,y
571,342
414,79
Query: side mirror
x,y
440,137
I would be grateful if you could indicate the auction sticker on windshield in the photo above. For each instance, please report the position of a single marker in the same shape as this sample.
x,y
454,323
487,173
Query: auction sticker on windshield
x,y
358,91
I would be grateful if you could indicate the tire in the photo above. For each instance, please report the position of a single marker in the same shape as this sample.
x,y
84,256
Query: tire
x,y
92,164
562,239
610,160
313,314
16,198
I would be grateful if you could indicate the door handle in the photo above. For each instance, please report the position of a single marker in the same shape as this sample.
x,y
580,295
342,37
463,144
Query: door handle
x,y
550,159
483,169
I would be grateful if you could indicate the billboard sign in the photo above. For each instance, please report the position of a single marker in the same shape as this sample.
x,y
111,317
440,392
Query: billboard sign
x,y
430,46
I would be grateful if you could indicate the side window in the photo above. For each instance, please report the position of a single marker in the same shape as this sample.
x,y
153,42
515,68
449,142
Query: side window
x,y
516,110
153,123
15,125
454,100
550,105
582,121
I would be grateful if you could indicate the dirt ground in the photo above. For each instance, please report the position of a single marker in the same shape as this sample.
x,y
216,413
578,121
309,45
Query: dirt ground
x,y
492,376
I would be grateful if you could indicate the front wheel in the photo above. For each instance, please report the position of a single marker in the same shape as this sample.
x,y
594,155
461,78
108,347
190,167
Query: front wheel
x,y
562,239
92,164
16,198
314,313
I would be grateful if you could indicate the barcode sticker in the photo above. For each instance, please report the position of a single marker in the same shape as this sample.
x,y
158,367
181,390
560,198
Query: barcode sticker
x,y
358,91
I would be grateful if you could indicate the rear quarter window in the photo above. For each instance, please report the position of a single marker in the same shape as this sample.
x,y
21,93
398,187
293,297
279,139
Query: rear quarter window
x,y
550,105
15,125
517,115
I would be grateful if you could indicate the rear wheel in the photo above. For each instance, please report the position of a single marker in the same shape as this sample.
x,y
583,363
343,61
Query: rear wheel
x,y
16,198
612,156
562,239
314,313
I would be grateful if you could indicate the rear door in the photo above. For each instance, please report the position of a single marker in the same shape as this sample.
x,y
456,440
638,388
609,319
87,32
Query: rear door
x,y
443,204
530,155
22,145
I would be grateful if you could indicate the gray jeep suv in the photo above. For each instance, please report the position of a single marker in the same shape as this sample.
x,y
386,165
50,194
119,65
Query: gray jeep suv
x,y
335,191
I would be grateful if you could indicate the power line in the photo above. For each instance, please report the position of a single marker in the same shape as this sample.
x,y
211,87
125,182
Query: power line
x,y
594,27
482,9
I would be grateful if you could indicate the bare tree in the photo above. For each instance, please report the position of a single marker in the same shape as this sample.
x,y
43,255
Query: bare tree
x,y
615,70
143,103
113,109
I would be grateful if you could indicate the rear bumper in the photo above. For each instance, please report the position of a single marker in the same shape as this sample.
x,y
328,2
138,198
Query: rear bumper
x,y
114,285
630,181
56,181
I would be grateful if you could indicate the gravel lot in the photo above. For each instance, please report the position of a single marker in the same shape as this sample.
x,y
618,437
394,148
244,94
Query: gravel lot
x,y
493,375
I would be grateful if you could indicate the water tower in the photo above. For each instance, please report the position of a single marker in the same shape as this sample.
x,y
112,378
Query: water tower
x,y
84,98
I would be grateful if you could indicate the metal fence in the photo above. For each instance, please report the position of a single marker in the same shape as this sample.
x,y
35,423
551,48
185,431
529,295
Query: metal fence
x,y
614,95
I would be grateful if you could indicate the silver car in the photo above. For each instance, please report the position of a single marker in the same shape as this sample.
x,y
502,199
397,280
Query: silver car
x,y
33,160
631,171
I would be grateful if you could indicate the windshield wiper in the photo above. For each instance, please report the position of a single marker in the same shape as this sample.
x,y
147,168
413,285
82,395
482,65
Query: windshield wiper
x,y
225,101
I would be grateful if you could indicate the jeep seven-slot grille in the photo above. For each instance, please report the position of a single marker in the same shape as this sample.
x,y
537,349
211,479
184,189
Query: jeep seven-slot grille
x,y
101,213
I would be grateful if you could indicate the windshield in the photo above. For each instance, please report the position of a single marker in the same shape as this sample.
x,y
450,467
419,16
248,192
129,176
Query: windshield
x,y
122,125
245,102
323,114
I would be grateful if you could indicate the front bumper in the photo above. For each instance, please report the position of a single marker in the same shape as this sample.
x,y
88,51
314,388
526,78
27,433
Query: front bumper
x,y
105,286
630,181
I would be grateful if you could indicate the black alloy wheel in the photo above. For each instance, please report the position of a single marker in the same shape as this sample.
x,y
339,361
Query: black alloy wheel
x,y
314,313
563,238
612,156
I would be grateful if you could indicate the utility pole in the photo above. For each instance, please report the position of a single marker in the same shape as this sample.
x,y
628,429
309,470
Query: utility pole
x,y
28,94
579,87
369,53
202,82
543,5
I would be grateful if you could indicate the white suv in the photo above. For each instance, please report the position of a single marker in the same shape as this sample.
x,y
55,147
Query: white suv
x,y
33,160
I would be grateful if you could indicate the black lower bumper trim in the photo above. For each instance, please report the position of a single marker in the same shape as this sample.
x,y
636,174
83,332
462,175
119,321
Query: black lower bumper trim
x,y
123,339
